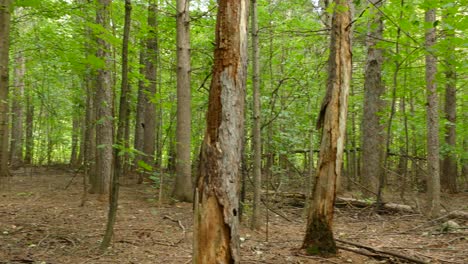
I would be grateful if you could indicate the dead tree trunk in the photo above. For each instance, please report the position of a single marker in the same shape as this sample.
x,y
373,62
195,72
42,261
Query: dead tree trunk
x,y
216,219
332,119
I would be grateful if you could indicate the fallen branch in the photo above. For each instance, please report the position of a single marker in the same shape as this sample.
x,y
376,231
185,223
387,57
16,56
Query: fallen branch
x,y
378,252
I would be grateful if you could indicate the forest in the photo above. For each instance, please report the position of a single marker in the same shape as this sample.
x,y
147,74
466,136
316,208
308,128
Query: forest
x,y
233,131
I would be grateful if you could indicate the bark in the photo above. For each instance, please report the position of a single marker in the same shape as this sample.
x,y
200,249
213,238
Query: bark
x,y
449,163
16,144
29,142
433,178
150,88
332,119
256,128
183,181
5,6
217,224
140,113
104,124
75,141
373,140
122,125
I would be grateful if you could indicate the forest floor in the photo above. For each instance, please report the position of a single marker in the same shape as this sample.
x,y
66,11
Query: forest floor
x,y
41,221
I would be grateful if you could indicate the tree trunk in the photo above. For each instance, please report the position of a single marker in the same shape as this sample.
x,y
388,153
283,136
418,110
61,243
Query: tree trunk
x,y
183,181
373,145
29,141
433,178
150,88
217,239
5,8
75,140
319,235
16,147
449,164
256,128
104,124
122,125
140,114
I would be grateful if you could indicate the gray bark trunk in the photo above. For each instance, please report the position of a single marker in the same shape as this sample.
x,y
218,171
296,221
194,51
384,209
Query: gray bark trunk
x,y
433,170
183,182
373,145
16,147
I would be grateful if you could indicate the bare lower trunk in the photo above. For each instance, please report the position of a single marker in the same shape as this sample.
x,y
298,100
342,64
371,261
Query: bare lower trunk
x,y
16,147
433,179
104,125
373,145
5,6
150,88
256,128
183,184
29,142
216,220
122,125
449,164
319,235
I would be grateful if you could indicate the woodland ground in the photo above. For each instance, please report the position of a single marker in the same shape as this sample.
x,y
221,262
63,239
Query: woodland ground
x,y
42,222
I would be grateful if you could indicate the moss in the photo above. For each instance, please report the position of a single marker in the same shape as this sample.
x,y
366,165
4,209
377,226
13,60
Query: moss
x,y
319,239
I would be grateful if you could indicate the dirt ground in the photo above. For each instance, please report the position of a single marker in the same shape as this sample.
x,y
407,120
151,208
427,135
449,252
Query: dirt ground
x,y
42,222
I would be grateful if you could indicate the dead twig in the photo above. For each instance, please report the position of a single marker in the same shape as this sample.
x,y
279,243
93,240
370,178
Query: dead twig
x,y
380,253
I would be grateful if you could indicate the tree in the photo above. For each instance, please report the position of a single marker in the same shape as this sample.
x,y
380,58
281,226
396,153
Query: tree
x,y
183,182
103,104
449,163
332,119
150,88
217,200
5,6
433,167
373,141
16,147
256,127
122,126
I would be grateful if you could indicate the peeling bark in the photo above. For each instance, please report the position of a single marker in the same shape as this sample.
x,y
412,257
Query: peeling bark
x,y
220,158
319,235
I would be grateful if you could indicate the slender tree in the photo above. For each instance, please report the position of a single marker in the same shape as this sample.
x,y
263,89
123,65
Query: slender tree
x,y
332,119
433,177
122,125
373,143
217,199
256,128
16,146
29,142
103,104
150,57
183,184
449,163
5,9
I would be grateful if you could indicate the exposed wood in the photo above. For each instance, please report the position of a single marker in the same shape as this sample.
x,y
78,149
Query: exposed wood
x,y
220,156
332,120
